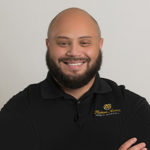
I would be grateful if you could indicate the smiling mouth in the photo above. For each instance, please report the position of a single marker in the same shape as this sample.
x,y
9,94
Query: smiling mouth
x,y
74,65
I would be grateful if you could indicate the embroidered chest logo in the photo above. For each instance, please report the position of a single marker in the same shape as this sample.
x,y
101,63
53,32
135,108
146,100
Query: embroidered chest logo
x,y
107,111
107,107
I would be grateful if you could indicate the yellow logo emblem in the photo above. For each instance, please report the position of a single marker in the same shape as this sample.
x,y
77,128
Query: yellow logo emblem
x,y
108,110
107,107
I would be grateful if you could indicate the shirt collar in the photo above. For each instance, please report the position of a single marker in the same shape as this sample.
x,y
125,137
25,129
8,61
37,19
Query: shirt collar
x,y
51,90
100,86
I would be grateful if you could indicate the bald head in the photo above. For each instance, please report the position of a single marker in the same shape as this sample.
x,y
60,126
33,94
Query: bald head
x,y
75,16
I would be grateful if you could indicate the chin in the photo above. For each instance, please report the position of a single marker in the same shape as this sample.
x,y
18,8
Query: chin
x,y
74,73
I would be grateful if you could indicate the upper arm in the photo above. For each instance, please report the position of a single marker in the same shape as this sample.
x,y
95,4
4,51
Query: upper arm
x,y
136,118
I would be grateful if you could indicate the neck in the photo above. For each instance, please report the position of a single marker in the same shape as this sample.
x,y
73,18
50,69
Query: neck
x,y
77,93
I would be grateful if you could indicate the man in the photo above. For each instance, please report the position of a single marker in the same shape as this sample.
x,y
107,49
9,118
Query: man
x,y
74,108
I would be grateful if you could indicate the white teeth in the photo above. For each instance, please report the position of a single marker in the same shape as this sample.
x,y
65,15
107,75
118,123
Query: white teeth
x,y
75,64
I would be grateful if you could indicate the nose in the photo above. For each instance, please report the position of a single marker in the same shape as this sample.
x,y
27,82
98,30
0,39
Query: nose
x,y
74,50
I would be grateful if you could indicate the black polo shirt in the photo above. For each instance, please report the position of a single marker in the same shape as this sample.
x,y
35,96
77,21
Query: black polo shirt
x,y
44,117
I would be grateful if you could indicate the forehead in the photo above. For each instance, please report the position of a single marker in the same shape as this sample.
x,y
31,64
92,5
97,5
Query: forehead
x,y
74,25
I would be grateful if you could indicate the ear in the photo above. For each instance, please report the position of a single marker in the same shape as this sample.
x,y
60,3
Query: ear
x,y
47,43
101,43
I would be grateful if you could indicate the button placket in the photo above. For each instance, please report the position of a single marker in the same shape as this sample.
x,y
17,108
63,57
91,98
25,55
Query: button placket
x,y
78,102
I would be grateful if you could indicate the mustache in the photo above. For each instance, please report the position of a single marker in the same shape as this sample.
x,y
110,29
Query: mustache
x,y
63,59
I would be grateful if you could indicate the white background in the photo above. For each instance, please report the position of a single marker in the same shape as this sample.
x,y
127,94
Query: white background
x,y
125,26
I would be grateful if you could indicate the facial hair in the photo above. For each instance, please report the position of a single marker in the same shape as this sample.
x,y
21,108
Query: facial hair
x,y
73,82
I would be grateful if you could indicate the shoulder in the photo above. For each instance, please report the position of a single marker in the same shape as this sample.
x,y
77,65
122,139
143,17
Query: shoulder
x,y
20,102
127,95
131,102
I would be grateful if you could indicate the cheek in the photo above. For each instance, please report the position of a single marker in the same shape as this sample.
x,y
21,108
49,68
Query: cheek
x,y
56,52
92,53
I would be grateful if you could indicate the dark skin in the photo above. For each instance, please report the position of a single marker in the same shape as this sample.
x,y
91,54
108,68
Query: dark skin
x,y
128,145
74,34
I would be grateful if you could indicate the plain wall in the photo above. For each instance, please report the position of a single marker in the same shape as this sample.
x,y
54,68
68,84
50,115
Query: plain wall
x,y
125,26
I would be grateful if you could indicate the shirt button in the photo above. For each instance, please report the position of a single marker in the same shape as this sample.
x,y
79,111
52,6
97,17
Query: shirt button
x,y
78,102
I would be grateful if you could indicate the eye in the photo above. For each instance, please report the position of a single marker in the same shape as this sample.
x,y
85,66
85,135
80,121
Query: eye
x,y
85,43
63,43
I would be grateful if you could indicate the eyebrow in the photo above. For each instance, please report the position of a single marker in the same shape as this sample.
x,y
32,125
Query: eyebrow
x,y
82,37
62,37
65,37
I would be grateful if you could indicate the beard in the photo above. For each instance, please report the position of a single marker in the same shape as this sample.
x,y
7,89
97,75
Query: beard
x,y
73,82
